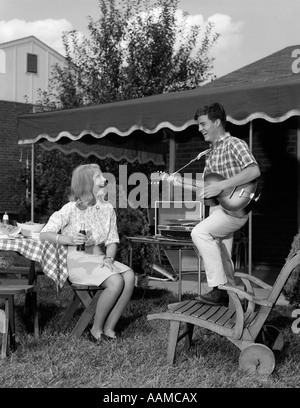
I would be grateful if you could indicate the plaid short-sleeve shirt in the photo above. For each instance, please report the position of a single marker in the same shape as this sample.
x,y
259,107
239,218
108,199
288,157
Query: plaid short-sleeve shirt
x,y
228,156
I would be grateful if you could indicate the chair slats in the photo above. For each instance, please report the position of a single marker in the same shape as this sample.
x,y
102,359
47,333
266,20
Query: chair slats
x,y
183,306
194,309
202,309
223,317
230,323
226,316
219,313
210,312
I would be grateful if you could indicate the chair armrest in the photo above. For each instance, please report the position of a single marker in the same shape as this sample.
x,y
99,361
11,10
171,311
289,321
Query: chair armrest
x,y
245,295
253,279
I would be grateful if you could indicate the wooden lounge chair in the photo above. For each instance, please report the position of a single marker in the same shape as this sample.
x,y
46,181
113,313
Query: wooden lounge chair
x,y
244,324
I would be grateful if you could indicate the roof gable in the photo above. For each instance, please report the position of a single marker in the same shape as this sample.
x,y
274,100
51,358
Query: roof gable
x,y
31,39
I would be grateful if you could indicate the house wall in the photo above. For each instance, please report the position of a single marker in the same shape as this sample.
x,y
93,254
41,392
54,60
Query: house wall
x,y
12,159
298,170
274,221
275,218
18,85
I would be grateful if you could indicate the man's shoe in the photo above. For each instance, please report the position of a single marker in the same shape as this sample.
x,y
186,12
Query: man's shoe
x,y
215,297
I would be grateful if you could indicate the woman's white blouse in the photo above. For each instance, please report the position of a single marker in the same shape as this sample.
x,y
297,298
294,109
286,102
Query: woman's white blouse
x,y
100,222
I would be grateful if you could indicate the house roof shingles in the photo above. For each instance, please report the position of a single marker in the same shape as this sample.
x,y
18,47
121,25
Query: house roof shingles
x,y
274,66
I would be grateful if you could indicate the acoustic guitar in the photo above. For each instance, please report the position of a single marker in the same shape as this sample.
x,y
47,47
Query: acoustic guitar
x,y
237,201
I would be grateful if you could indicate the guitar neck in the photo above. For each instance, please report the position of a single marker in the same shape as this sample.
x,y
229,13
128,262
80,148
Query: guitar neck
x,y
191,183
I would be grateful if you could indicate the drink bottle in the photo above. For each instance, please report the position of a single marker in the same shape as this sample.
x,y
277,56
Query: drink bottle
x,y
82,231
5,218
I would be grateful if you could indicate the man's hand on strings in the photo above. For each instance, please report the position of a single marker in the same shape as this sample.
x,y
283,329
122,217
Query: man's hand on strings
x,y
211,190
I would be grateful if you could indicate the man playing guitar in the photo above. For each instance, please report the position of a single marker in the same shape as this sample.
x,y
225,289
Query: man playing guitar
x,y
231,158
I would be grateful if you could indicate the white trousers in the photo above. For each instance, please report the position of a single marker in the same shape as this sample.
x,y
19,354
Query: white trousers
x,y
213,238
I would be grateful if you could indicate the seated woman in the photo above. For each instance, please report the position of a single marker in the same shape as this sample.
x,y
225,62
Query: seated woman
x,y
92,266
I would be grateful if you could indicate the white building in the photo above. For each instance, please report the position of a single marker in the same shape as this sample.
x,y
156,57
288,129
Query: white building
x,y
25,67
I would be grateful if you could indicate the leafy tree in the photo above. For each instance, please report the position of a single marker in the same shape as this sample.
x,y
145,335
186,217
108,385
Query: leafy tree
x,y
162,56
136,48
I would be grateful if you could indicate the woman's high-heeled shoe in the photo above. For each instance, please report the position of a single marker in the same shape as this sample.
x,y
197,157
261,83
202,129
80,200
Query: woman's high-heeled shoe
x,y
95,339
106,337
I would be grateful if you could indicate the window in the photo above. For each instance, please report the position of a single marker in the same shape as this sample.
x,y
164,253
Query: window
x,y
32,63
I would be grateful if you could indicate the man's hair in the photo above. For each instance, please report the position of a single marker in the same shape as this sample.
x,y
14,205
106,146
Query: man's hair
x,y
213,111
82,185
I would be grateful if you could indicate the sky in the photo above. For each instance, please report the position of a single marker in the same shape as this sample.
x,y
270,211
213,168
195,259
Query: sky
x,y
249,29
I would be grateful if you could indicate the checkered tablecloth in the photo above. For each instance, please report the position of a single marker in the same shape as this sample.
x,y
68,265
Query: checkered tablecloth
x,y
52,258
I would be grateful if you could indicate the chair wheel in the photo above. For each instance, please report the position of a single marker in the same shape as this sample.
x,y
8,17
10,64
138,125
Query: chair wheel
x,y
257,358
271,337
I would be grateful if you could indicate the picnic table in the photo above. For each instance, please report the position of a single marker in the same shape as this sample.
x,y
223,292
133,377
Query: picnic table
x,y
53,261
51,257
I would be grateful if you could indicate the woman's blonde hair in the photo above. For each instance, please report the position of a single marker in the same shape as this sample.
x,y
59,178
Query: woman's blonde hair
x,y
82,185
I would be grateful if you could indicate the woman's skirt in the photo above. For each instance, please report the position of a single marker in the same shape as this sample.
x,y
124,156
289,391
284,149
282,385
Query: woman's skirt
x,y
85,268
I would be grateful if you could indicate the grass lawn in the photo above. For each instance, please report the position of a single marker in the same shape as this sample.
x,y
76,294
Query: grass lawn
x,y
138,358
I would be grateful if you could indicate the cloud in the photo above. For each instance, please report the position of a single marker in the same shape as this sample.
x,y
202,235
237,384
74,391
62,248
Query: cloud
x,y
229,44
48,31
230,33
227,50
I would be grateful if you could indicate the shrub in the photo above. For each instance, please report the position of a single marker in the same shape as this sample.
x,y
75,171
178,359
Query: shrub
x,y
291,289
133,222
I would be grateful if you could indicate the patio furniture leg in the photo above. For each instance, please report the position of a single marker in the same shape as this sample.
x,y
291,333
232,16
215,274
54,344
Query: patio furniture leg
x,y
189,335
35,314
9,305
172,341
87,315
70,311
4,328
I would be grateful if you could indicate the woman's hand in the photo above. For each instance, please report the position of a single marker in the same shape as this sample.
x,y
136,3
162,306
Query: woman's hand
x,y
78,239
109,263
